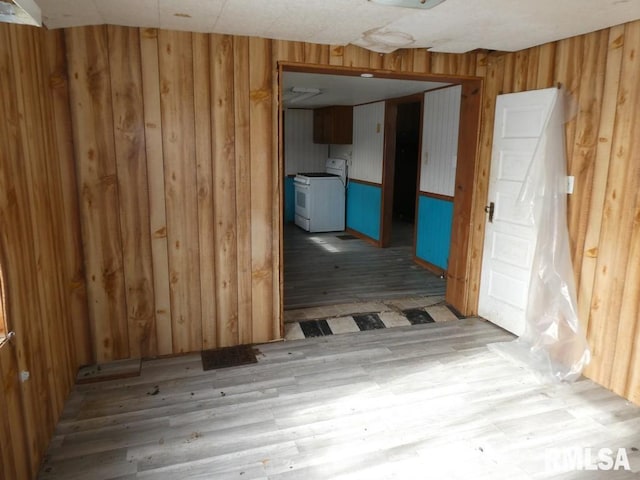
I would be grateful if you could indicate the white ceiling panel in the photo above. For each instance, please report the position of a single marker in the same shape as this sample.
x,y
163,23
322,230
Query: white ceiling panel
x,y
453,26
141,13
62,13
191,15
349,90
250,17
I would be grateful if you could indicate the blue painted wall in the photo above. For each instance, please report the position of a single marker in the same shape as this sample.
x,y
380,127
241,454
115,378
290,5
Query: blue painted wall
x,y
364,203
289,200
435,217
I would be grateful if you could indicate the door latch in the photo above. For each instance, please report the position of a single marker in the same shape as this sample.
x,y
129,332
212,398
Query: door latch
x,y
490,209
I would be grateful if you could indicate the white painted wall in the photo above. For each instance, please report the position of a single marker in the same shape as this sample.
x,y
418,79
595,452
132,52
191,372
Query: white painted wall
x,y
341,151
300,153
440,128
368,142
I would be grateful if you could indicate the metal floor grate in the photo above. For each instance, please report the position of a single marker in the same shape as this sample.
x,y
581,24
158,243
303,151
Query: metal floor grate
x,y
228,357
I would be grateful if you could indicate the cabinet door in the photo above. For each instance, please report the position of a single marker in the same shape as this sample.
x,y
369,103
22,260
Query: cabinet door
x,y
319,126
342,125
333,125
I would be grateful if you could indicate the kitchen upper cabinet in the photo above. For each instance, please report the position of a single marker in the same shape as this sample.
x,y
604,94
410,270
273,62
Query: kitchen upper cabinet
x,y
333,125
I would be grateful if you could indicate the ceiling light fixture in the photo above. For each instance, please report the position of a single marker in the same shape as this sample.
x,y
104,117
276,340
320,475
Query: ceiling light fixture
x,y
24,12
424,4
366,75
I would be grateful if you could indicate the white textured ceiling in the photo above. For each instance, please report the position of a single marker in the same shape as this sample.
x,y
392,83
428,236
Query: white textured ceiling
x,y
453,26
349,90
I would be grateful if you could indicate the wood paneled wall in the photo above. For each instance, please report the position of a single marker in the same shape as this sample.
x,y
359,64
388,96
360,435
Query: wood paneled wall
x,y
40,246
176,143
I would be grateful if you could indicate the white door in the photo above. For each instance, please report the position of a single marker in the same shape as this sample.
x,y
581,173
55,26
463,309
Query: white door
x,y
511,232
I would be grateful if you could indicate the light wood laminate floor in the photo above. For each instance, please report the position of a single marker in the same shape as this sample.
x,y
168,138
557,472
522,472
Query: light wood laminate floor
x,y
320,269
418,402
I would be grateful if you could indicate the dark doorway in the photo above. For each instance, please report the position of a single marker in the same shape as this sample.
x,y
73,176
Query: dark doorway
x,y
407,154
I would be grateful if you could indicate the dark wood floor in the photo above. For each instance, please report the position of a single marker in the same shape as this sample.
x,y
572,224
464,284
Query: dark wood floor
x,y
321,269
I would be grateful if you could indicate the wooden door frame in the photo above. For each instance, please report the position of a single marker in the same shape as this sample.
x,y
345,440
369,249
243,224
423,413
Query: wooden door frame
x,y
466,205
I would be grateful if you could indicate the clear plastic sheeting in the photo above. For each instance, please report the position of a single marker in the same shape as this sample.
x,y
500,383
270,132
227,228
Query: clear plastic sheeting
x,y
553,344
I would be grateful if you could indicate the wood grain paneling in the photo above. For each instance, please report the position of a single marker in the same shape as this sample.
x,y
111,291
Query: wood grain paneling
x,y
72,243
599,73
205,178
608,329
224,190
155,176
242,114
177,102
133,199
90,88
263,189
39,240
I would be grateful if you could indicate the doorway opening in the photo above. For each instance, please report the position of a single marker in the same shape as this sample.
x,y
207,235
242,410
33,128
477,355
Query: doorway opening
x,y
373,186
405,173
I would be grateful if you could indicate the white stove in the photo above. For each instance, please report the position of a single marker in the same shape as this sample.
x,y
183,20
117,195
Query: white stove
x,y
320,198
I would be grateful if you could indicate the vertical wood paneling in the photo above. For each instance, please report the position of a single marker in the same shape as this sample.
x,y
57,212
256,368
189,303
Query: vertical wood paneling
x,y
520,70
289,51
368,142
243,186
205,187
17,267
546,61
242,107
224,189
586,139
336,55
16,425
625,360
131,164
602,162
262,184
619,215
43,288
97,182
175,51
316,54
72,242
509,72
41,183
567,72
626,364
15,456
355,57
533,59
155,177
421,61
